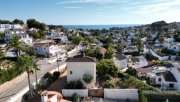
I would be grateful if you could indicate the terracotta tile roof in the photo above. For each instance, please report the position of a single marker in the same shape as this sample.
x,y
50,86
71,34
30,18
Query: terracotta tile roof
x,y
168,76
142,70
120,57
80,59
43,44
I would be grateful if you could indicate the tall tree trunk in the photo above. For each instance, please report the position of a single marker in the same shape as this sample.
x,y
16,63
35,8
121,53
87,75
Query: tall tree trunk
x,y
36,76
29,84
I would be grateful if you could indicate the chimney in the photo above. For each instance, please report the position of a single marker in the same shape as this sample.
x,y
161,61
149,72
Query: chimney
x,y
44,96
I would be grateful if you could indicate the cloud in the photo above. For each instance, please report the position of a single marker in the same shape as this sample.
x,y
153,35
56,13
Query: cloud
x,y
91,1
152,8
72,7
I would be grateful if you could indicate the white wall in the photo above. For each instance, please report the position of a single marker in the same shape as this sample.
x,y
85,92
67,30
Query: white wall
x,y
164,58
121,94
120,63
70,92
79,69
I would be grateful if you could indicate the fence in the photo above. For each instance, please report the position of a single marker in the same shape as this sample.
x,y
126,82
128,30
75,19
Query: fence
x,y
121,94
70,92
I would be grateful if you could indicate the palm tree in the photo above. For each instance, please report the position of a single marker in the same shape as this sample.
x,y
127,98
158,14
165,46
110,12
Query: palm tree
x,y
28,64
16,44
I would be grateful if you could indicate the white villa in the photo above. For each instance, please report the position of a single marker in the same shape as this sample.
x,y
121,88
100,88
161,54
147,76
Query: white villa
x,y
47,49
120,61
4,27
174,47
18,32
58,35
78,66
137,62
169,78
130,49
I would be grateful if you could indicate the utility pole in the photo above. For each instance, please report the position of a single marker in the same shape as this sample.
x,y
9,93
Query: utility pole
x,y
57,61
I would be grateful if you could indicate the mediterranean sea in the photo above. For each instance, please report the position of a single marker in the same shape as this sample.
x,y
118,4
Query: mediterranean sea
x,y
99,26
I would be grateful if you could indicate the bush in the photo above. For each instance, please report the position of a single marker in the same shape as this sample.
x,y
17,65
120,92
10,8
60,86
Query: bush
x,y
76,98
87,78
142,98
136,53
74,85
56,74
161,96
47,75
151,57
108,84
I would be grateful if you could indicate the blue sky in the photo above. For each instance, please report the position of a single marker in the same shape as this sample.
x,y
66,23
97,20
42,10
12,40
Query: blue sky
x,y
77,12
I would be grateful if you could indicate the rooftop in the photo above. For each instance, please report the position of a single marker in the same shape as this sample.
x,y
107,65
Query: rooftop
x,y
120,56
168,76
80,59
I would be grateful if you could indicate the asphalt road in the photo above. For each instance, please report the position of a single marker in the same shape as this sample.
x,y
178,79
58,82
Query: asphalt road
x,y
18,87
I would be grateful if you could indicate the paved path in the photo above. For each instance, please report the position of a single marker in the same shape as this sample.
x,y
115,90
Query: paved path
x,y
18,87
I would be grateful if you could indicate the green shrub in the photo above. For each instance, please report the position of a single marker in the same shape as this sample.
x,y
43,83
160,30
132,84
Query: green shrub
x,y
56,74
108,84
76,98
87,78
74,85
161,96
47,75
151,57
142,98
136,53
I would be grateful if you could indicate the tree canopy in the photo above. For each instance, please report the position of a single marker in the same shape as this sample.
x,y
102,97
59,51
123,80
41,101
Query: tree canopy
x,y
32,23
109,53
18,21
106,68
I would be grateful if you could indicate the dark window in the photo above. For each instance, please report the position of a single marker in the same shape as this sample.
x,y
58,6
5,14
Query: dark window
x,y
71,72
159,79
171,85
174,47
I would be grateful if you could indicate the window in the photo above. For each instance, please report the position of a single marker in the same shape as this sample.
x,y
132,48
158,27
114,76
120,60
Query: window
x,y
171,85
70,72
174,47
159,79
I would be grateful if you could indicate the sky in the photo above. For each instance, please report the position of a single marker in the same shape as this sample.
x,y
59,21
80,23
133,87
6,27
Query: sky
x,y
91,12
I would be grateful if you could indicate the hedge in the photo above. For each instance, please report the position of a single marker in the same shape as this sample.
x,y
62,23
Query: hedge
x,y
161,96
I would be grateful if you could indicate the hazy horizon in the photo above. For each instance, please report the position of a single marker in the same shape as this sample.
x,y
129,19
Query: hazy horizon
x,y
91,12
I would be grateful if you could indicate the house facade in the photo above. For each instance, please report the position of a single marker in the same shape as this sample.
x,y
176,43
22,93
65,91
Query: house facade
x,y
174,47
4,27
78,66
18,32
59,36
137,62
47,49
120,61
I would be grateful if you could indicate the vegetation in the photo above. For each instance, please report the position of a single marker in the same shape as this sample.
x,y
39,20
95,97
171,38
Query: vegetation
x,y
142,98
131,71
76,39
16,44
32,23
161,96
27,63
74,85
119,47
106,68
18,21
38,35
87,78
170,52
135,53
76,98
109,53
94,53
159,25
150,57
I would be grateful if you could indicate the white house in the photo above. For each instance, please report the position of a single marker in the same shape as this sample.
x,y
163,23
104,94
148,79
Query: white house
x,y
130,49
120,61
78,66
58,35
47,49
18,32
137,62
4,27
169,77
174,47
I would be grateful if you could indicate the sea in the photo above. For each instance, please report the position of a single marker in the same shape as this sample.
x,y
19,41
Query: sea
x,y
100,27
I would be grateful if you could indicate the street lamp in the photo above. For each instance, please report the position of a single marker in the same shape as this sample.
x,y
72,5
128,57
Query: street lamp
x,y
57,61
